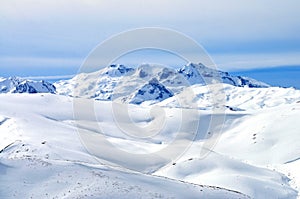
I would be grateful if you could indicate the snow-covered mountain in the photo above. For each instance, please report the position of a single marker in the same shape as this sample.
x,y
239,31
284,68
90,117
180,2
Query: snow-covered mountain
x,y
200,74
20,85
42,154
256,152
120,82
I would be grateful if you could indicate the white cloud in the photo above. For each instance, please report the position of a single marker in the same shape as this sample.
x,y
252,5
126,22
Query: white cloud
x,y
233,62
40,62
73,26
226,62
213,19
55,77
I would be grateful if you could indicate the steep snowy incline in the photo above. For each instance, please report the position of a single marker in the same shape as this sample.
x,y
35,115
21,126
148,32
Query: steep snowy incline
x,y
19,85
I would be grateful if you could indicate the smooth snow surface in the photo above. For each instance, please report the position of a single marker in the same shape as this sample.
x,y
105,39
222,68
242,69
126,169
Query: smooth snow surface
x,y
42,155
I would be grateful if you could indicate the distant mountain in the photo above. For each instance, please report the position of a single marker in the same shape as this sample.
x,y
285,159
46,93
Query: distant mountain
x,y
200,74
19,85
146,82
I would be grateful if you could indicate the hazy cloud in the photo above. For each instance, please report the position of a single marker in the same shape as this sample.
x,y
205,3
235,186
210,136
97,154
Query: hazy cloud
x,y
52,29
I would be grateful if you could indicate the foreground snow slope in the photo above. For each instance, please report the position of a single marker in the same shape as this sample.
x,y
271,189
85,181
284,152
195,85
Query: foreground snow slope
x,y
248,153
41,156
41,153
34,178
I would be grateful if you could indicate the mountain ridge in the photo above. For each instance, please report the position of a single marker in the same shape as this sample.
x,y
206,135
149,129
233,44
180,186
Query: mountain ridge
x,y
21,85
120,81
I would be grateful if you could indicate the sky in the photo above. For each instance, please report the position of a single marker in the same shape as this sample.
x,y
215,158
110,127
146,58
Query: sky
x,y
53,37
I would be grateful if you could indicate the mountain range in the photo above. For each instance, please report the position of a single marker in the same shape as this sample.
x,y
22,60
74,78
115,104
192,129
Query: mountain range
x,y
155,84
146,82
252,150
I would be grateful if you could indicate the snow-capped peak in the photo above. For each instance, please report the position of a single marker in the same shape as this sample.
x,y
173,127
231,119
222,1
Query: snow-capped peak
x,y
117,70
194,73
200,74
20,85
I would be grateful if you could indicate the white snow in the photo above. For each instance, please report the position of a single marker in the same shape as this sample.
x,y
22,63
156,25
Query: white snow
x,y
255,153
121,82
252,150
19,85
42,156
240,98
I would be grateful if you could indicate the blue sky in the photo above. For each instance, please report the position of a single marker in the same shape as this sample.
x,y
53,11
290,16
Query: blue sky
x,y
53,37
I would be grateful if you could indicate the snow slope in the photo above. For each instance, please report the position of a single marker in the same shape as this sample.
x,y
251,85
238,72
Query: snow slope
x,y
32,178
219,170
39,138
41,156
253,151
234,98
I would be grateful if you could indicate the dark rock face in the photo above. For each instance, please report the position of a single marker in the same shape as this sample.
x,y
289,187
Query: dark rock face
x,y
153,90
